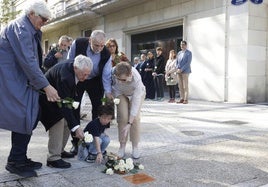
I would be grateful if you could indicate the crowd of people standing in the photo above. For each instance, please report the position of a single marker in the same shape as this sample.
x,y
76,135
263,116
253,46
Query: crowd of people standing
x,y
87,64
156,72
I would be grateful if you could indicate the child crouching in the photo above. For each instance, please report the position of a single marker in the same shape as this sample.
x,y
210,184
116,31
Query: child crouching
x,y
97,148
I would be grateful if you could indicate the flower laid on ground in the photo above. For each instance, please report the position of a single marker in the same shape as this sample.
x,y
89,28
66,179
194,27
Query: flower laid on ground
x,y
109,171
121,166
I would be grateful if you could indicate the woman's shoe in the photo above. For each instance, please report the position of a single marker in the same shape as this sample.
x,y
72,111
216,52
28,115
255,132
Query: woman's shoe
x,y
121,152
135,153
180,101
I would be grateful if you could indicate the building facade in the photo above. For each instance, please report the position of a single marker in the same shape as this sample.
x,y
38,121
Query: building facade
x,y
228,42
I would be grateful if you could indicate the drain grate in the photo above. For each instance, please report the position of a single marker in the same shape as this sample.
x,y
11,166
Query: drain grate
x,y
234,122
193,133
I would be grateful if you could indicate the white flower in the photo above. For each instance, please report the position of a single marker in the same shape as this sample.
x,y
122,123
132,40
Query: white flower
x,y
116,101
121,162
129,166
122,168
109,171
141,167
75,104
116,167
129,161
88,137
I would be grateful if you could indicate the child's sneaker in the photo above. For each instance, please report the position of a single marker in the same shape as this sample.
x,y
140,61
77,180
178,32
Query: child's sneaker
x,y
91,158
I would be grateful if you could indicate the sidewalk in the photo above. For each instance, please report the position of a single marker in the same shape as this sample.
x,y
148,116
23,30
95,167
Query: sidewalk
x,y
198,144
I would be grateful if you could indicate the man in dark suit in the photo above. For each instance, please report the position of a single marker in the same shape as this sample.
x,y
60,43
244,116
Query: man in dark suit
x,y
58,119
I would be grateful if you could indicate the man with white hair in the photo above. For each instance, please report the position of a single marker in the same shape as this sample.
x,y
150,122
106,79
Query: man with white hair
x,y
65,77
20,79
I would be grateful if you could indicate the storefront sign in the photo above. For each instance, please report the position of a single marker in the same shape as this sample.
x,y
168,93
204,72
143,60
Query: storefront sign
x,y
256,1
238,2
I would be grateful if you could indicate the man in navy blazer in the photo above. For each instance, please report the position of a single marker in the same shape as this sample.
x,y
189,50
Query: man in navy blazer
x,y
184,59
59,120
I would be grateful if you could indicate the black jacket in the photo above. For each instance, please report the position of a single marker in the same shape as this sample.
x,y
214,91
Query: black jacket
x,y
62,78
160,64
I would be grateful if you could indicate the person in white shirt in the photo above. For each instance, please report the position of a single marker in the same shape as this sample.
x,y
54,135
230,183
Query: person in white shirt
x,y
136,62
128,87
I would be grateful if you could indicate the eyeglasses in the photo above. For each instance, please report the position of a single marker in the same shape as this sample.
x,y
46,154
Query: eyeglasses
x,y
123,80
43,18
98,45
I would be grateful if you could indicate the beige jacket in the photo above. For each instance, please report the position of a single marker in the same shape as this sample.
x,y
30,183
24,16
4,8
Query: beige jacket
x,y
134,90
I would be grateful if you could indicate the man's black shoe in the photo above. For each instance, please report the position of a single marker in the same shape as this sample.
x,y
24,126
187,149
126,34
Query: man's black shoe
x,y
33,164
58,164
66,154
21,169
74,149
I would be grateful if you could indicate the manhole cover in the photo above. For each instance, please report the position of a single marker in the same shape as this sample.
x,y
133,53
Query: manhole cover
x,y
234,122
192,133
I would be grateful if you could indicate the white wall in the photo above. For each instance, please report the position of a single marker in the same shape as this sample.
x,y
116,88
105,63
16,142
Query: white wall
x,y
205,36
237,49
257,53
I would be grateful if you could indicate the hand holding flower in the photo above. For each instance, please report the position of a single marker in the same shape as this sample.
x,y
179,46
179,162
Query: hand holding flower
x,y
79,133
51,93
109,96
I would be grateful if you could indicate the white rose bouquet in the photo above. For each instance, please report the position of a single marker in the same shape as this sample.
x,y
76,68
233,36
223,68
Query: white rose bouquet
x,y
121,166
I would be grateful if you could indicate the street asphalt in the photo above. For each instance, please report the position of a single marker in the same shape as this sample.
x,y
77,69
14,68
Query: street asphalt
x,y
196,144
